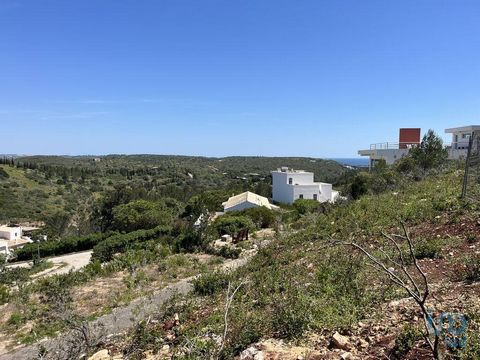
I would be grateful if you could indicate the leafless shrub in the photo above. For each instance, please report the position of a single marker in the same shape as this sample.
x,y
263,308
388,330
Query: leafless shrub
x,y
404,271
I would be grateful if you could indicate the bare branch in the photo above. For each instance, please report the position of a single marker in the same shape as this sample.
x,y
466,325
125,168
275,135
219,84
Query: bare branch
x,y
419,294
228,304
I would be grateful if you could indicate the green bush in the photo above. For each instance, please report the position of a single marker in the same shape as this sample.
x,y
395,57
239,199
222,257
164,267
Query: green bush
x,y
405,165
16,320
471,268
105,249
306,206
4,294
261,216
3,174
14,276
291,314
224,251
428,249
144,214
190,241
405,341
372,183
231,224
210,283
471,238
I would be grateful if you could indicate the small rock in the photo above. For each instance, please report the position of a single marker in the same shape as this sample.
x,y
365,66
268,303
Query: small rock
x,y
164,351
346,356
100,355
249,354
363,344
340,341
170,337
259,356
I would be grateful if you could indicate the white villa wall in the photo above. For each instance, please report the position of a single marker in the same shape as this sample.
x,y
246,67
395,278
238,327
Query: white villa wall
x,y
307,191
281,191
4,250
10,233
300,178
326,192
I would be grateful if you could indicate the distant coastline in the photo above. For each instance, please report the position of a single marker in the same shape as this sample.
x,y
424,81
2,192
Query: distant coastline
x,y
358,162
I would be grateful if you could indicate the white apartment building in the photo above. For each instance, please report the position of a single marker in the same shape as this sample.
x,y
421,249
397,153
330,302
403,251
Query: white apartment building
x,y
289,185
390,152
460,140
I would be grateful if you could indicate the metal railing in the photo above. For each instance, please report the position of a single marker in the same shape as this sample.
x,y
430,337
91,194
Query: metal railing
x,y
393,145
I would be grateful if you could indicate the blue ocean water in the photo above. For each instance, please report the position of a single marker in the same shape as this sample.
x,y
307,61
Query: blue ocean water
x,y
359,162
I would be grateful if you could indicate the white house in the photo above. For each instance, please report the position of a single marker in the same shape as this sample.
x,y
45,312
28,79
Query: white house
x,y
246,200
289,185
390,152
10,232
11,238
460,140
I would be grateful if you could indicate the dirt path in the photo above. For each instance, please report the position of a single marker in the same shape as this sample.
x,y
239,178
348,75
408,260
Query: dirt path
x,y
62,264
120,320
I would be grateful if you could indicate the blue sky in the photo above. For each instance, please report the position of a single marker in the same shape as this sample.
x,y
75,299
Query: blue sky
x,y
233,77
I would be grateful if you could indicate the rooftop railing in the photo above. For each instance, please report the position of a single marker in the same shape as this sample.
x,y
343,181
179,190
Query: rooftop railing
x,y
393,145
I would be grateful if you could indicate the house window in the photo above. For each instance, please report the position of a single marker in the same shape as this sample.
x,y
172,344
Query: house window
x,y
300,196
315,197
290,181
466,136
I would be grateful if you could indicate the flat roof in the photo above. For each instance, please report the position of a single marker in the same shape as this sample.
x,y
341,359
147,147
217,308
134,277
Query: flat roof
x,y
291,171
463,128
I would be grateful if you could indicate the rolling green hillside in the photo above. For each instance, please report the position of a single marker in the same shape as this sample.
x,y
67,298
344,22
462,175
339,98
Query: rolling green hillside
x,y
38,186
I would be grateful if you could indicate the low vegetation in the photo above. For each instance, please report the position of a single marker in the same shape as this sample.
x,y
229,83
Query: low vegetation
x,y
300,286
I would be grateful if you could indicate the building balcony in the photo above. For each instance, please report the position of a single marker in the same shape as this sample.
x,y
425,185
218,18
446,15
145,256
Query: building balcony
x,y
393,145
